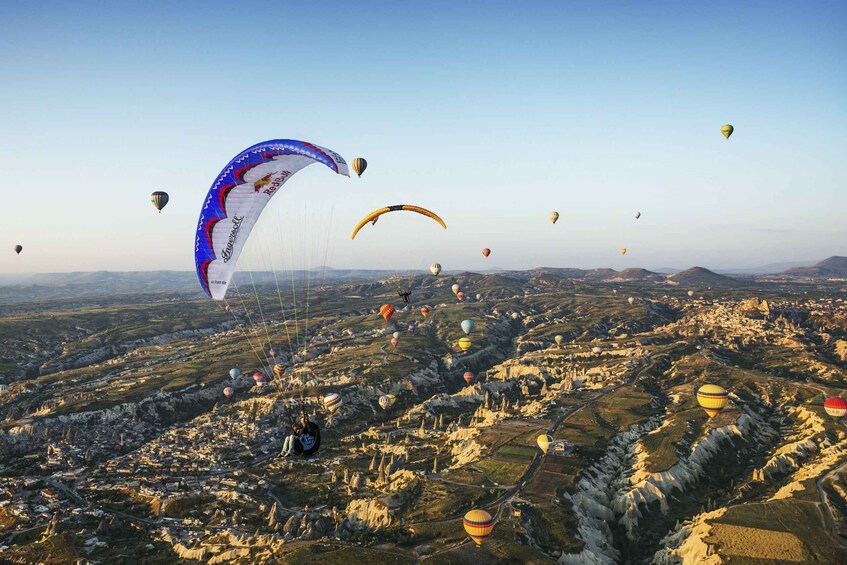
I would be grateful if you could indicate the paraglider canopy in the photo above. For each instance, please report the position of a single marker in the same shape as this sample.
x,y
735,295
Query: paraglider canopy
x,y
373,216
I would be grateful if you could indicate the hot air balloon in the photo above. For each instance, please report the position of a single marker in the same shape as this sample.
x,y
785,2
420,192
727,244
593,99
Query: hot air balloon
x,y
455,289
4,389
386,311
559,339
460,295
425,311
464,344
159,200
469,377
631,300
435,268
623,250
614,291
544,442
237,197
273,352
19,248
394,342
712,398
359,166
259,377
386,401
596,350
835,407
468,326
727,130
229,391
690,293
637,215
479,297
486,252
478,525
333,402
412,326
554,216
396,335
234,373
375,215
279,370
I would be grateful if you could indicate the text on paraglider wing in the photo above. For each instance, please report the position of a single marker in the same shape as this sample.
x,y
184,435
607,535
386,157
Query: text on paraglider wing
x,y
236,225
278,181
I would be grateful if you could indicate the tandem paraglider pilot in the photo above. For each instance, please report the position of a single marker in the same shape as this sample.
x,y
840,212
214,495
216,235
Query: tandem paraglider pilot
x,y
305,439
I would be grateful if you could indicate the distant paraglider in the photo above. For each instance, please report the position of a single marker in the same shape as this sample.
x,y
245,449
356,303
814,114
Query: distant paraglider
x,y
486,252
19,248
359,166
375,215
159,200
435,268
333,402
469,377
386,311
727,130
468,326
478,525
464,344
544,442
712,398
835,407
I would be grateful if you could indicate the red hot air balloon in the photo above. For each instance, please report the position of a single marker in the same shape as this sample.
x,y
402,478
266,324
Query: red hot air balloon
x,y
469,377
460,296
394,342
835,407
386,311
486,252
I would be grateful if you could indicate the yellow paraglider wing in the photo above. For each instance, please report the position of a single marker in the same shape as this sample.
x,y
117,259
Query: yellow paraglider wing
x,y
373,216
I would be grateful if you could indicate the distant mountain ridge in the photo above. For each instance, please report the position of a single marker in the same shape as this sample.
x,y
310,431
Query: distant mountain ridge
x,y
700,277
832,267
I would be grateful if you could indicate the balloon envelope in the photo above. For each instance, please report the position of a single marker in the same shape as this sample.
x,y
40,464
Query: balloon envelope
x,y
623,250
333,402
468,326
455,288
435,268
712,398
159,200
554,216
235,373
386,311
727,130
425,311
690,293
835,407
394,341
637,215
460,295
19,248
464,344
469,377
359,166
631,300
544,442
478,525
486,252
559,339
229,391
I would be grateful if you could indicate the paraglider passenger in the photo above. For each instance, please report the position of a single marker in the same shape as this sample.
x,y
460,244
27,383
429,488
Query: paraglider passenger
x,y
405,295
305,441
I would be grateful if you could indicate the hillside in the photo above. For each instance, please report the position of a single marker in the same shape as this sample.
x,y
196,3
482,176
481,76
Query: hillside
x,y
833,267
700,277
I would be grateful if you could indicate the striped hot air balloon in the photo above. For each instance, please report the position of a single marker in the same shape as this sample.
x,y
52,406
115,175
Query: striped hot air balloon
x,y
435,268
835,407
544,442
359,166
333,402
469,377
4,389
279,371
712,398
386,311
159,200
465,344
478,525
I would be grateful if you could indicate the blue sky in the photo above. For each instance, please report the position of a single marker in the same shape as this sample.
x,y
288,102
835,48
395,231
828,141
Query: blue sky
x,y
493,114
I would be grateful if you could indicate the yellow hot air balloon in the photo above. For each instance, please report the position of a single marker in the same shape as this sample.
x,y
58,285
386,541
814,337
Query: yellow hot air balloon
x,y
727,130
465,344
359,165
544,442
623,250
554,216
559,339
712,398
478,525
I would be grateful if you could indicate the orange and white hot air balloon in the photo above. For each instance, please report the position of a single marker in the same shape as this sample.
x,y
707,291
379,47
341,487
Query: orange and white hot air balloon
x,y
835,407
386,311
478,525
486,252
